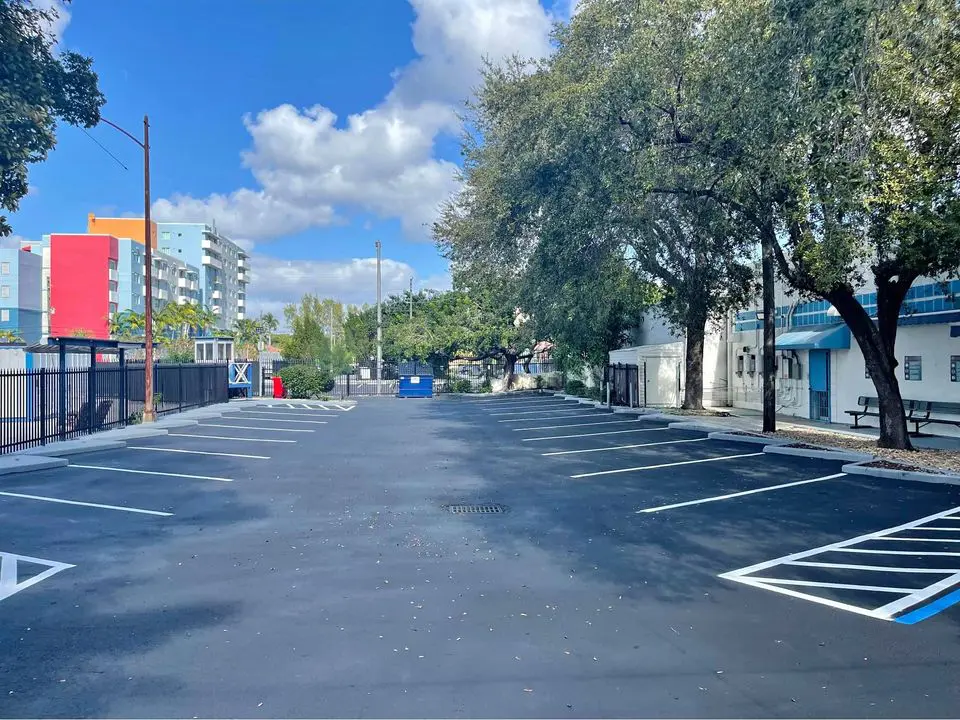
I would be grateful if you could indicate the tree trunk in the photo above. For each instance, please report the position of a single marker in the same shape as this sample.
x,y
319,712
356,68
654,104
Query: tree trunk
x,y
768,238
881,363
509,369
693,390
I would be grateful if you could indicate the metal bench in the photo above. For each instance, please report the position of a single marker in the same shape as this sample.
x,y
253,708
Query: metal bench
x,y
921,410
918,412
80,421
871,408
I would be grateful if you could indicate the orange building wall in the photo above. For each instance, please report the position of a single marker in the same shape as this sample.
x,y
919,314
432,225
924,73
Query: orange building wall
x,y
121,227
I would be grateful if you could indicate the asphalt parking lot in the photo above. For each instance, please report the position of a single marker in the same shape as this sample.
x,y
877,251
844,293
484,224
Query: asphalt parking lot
x,y
300,560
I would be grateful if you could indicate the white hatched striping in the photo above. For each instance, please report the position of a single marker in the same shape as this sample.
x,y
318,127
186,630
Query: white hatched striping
x,y
910,598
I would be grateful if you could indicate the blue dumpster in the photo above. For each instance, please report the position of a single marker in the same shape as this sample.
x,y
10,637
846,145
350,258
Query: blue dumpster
x,y
416,380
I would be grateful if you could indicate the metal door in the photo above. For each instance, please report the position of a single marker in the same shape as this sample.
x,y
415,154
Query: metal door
x,y
820,385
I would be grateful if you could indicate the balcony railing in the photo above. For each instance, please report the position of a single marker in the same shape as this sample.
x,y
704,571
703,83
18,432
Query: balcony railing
x,y
213,261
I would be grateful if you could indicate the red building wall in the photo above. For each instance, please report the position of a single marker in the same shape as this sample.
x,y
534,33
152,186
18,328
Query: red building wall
x,y
80,283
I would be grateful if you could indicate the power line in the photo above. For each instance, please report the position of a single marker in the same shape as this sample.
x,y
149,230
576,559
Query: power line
x,y
104,149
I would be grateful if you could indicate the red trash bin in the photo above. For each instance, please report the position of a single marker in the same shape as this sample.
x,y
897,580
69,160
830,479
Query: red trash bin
x,y
278,387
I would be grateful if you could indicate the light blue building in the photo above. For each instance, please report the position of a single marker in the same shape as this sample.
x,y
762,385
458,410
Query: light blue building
x,y
223,266
21,285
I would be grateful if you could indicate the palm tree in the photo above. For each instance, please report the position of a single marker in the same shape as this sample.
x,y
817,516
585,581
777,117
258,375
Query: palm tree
x,y
9,337
269,325
126,324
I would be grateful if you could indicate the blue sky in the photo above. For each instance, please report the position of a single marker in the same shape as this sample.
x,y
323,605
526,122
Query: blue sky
x,y
306,129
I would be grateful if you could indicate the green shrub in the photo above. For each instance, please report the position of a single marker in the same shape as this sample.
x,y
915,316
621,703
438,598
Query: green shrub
x,y
575,387
305,381
595,393
461,385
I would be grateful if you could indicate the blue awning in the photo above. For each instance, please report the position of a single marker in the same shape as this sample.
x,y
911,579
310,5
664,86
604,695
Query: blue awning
x,y
834,338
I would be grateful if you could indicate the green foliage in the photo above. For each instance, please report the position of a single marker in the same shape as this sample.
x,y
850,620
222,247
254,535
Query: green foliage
x,y
575,387
461,385
181,350
38,86
9,337
316,333
305,381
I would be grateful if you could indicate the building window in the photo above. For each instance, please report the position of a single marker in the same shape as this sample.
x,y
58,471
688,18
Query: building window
x,y
912,367
4,268
165,235
955,368
4,316
4,291
753,365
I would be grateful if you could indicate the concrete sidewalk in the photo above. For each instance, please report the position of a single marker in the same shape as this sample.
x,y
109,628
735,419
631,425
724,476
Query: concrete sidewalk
x,y
44,456
752,420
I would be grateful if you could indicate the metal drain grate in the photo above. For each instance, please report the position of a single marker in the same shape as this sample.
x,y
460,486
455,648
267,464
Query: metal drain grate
x,y
482,508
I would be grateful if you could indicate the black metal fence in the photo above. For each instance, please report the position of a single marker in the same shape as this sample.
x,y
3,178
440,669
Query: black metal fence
x,y
627,384
451,376
40,406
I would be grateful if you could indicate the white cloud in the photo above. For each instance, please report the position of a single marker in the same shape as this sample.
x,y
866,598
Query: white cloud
x,y
246,213
381,161
60,20
275,282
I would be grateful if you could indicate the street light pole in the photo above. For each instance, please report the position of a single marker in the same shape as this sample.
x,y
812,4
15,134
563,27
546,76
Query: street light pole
x,y
411,298
379,324
149,412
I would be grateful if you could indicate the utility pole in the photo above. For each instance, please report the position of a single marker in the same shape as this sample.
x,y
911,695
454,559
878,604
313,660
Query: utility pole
x,y
149,412
411,298
379,324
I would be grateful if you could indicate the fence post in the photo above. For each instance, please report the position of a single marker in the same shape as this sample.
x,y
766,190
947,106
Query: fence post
x,y
124,408
642,365
43,406
348,384
91,391
679,401
62,419
180,385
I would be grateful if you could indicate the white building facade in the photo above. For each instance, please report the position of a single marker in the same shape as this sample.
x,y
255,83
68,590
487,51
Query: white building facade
x,y
821,373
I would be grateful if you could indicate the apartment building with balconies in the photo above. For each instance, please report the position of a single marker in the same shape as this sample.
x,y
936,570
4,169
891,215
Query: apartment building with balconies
x,y
81,269
223,266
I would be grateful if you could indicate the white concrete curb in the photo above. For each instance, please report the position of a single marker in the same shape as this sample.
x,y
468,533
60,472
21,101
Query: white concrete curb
x,y
135,432
890,473
755,439
11,464
74,447
823,453
697,425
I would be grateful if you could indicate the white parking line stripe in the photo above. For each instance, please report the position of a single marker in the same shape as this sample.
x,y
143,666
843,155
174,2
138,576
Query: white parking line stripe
x,y
623,447
560,427
942,529
257,413
149,472
746,580
838,586
262,419
197,452
874,568
916,539
839,546
715,498
551,409
86,504
596,434
531,406
663,465
225,437
914,553
249,427
595,413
